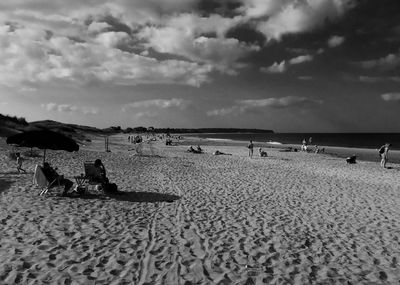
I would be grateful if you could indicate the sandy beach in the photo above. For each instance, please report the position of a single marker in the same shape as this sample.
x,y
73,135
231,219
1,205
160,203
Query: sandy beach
x,y
289,218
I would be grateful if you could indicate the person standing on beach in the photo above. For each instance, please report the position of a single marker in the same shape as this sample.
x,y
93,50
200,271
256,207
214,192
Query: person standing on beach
x,y
383,152
250,147
304,145
19,163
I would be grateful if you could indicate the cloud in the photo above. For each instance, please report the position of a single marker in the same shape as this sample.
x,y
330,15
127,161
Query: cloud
x,y
386,63
283,65
242,106
375,79
112,39
97,27
30,56
389,97
224,111
275,67
68,108
157,104
284,102
27,89
289,17
132,42
335,41
301,59
183,35
305,77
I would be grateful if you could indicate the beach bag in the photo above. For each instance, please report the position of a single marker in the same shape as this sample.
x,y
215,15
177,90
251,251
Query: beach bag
x,y
381,150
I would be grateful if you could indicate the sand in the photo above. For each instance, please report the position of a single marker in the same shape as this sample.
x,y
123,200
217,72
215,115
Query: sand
x,y
290,218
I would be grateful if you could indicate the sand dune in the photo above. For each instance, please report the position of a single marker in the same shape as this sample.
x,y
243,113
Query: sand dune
x,y
290,218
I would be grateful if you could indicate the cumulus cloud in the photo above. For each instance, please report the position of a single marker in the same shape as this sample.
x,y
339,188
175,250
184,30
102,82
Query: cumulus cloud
x,y
127,41
37,49
335,41
30,56
242,106
183,35
301,59
297,16
283,65
386,63
395,96
275,67
68,108
157,104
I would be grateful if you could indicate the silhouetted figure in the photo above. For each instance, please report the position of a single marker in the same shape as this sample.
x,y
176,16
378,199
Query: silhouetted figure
x,y
250,146
384,154
351,159
19,162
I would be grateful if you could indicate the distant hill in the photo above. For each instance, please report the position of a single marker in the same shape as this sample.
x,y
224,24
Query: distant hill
x,y
189,130
12,125
210,130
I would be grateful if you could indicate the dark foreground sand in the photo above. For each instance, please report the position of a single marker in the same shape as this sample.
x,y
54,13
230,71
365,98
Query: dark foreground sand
x,y
290,218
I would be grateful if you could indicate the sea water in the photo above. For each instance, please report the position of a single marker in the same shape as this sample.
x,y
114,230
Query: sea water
x,y
357,140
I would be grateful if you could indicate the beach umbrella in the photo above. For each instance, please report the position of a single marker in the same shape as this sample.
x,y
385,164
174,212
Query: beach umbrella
x,y
43,139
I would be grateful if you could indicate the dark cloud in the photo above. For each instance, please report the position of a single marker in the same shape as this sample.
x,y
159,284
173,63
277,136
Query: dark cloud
x,y
246,33
368,27
227,8
115,25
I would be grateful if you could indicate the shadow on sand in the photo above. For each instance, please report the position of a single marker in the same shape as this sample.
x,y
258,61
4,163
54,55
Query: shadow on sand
x,y
5,184
146,197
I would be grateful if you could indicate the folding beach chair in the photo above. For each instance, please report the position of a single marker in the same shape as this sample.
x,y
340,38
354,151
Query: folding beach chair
x,y
41,181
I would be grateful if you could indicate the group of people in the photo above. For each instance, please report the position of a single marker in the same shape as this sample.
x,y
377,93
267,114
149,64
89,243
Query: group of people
x,y
135,139
383,151
261,152
198,149
99,175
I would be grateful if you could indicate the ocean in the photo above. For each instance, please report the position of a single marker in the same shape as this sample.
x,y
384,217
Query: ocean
x,y
357,140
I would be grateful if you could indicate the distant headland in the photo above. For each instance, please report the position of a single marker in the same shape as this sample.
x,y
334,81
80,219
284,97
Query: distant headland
x,y
10,125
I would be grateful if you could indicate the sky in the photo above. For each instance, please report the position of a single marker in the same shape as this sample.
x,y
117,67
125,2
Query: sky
x,y
285,65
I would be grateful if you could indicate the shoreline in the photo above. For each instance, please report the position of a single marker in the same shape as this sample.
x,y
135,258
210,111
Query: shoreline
x,y
345,140
363,154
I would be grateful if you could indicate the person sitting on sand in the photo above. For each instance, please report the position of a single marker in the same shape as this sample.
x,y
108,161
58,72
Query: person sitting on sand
x,y
52,175
199,149
263,153
217,152
100,175
351,159
192,150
